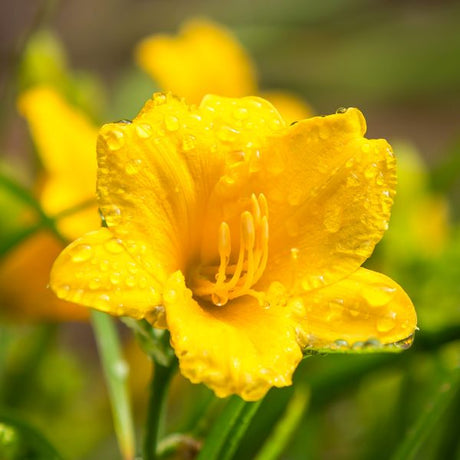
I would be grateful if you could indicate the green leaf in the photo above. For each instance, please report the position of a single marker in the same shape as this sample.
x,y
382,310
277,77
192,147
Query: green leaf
x,y
428,419
116,375
284,429
227,432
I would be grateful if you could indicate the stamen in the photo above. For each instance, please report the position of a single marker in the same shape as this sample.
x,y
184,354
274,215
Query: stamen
x,y
251,262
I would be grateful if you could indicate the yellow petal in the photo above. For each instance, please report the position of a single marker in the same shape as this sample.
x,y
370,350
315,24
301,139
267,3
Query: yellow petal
x,y
165,179
203,59
330,192
365,307
24,278
66,142
291,107
97,271
240,349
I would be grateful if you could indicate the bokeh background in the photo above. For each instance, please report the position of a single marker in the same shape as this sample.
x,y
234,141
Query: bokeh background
x,y
399,62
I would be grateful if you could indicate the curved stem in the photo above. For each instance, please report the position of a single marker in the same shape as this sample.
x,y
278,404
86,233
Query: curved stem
x,y
161,376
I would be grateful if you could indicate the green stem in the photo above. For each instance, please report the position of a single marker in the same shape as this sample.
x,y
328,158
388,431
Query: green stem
x,y
116,374
24,195
232,423
161,376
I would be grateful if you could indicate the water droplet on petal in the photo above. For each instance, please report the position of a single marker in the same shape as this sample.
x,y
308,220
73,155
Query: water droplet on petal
x,y
144,130
63,291
333,219
115,277
104,265
188,143
241,113
102,301
371,171
131,281
341,110
386,323
377,296
81,253
133,166
171,123
170,295
115,139
227,134
275,124
114,246
340,343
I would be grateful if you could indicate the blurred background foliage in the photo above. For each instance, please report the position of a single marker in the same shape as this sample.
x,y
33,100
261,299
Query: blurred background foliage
x,y
398,61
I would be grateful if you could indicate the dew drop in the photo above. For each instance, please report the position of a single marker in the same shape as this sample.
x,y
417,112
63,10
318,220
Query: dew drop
x,y
219,299
371,171
188,143
170,295
380,179
171,123
297,307
113,246
132,268
341,110
115,277
81,253
241,113
377,296
133,166
386,323
159,98
102,301
144,130
63,291
275,124
104,265
341,343
115,139
120,369
131,281
333,219
227,134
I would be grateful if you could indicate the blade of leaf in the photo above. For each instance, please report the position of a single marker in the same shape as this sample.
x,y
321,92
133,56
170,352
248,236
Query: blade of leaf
x,y
116,374
284,429
226,426
425,423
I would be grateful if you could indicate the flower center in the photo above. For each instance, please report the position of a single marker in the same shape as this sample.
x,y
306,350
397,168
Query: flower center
x,y
236,279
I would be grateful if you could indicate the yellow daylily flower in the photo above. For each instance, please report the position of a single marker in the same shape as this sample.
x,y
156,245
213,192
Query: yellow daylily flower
x,y
241,235
206,58
65,141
